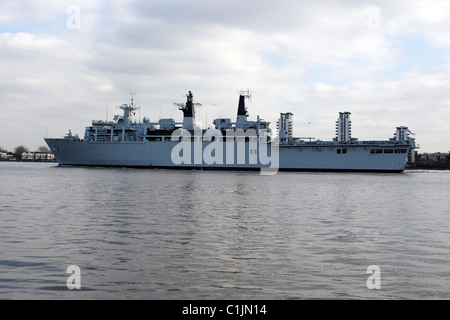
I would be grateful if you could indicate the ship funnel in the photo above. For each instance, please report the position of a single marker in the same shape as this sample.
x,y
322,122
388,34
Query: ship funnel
x,y
242,110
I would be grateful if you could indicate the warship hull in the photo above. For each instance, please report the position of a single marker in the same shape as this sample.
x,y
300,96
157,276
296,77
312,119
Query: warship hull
x,y
159,154
239,145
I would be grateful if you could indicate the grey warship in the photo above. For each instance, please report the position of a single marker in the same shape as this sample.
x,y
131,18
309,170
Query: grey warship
x,y
238,145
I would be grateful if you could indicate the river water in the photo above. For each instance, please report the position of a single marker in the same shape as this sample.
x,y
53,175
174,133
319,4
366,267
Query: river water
x,y
163,234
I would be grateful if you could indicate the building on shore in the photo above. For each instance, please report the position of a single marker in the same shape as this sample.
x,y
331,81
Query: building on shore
x,y
404,134
433,160
5,156
37,156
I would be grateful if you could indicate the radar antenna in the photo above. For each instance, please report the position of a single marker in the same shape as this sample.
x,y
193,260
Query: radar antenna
x,y
190,98
247,94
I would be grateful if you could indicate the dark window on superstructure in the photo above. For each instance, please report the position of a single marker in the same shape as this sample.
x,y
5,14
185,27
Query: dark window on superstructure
x,y
338,151
376,151
400,151
388,151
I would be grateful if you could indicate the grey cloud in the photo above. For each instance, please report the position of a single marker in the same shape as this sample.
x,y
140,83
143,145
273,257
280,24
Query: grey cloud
x,y
163,48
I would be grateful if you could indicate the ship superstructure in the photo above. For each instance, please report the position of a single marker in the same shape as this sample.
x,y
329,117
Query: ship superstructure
x,y
240,144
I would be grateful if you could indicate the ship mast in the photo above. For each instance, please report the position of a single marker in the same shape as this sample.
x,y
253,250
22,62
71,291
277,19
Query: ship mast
x,y
128,110
132,94
188,111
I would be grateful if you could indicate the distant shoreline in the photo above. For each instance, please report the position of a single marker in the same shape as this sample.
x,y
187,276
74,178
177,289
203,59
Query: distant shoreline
x,y
37,160
426,168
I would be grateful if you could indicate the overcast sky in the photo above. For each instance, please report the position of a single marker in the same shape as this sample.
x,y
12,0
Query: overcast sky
x,y
66,63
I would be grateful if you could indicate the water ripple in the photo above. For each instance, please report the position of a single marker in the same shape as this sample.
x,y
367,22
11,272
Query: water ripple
x,y
160,234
